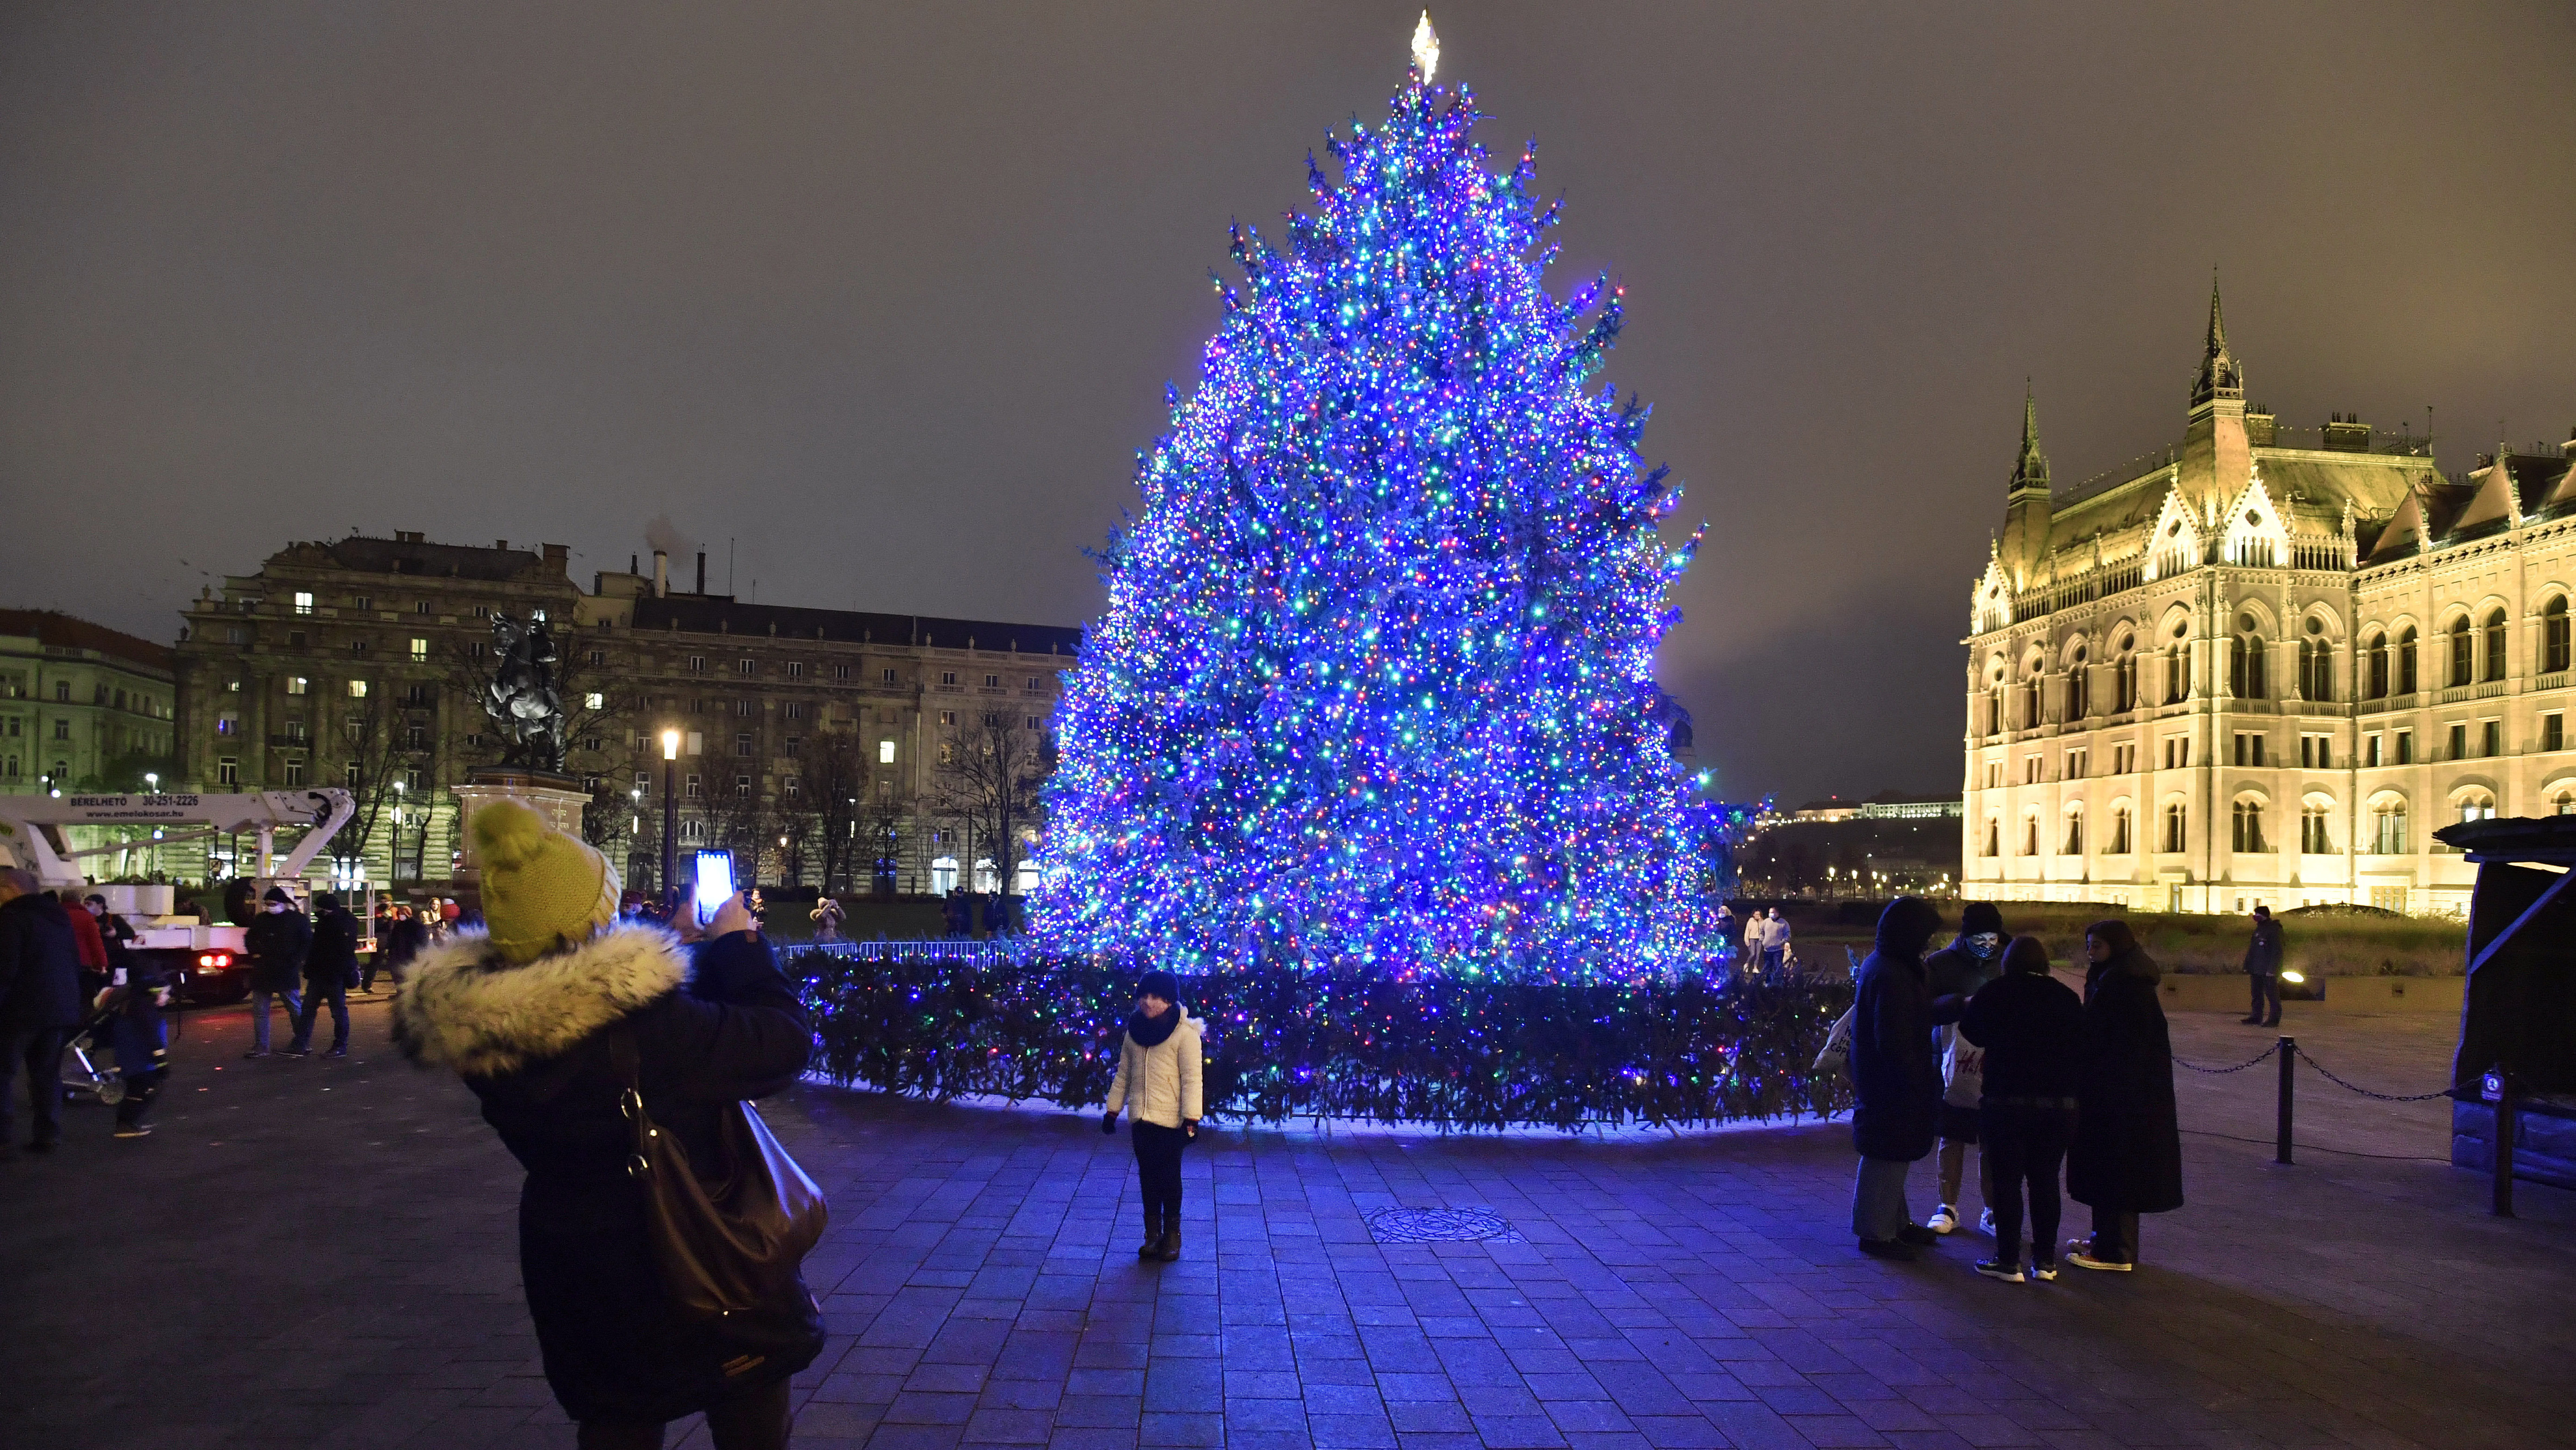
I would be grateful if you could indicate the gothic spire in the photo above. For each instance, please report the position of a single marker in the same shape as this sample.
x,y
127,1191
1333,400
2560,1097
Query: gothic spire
x,y
2031,469
2220,375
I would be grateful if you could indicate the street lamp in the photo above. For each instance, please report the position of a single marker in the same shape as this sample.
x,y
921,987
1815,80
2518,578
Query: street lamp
x,y
670,813
152,781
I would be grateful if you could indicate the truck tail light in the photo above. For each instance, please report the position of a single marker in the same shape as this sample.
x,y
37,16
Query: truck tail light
x,y
214,961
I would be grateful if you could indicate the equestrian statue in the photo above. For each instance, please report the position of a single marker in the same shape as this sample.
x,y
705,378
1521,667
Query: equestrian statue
x,y
521,698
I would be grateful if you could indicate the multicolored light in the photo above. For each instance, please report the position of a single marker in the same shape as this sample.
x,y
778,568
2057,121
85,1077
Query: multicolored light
x,y
1374,687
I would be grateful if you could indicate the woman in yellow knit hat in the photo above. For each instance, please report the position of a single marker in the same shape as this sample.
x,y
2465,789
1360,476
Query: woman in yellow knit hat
x,y
525,1009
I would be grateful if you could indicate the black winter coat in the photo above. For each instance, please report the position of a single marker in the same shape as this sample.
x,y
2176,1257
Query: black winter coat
x,y
2032,1028
332,960
532,1042
2127,1154
1895,1073
40,970
2263,953
278,942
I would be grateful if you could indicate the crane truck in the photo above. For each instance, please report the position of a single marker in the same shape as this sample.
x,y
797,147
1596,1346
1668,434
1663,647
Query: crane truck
x,y
206,958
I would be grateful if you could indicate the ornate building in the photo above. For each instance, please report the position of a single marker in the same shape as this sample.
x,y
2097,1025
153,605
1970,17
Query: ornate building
x,y
358,662
2265,664
82,706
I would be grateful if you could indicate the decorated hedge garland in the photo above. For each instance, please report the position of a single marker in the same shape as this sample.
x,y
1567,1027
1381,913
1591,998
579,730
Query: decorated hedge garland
x,y
1285,1044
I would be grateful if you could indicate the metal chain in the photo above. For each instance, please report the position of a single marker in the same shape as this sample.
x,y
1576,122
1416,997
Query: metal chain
x,y
2329,1076
2264,1056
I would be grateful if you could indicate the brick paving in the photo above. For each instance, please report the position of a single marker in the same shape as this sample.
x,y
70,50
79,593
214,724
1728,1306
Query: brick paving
x,y
321,1254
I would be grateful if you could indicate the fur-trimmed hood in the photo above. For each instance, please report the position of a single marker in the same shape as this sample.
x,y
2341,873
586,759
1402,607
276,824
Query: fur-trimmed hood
x,y
460,1006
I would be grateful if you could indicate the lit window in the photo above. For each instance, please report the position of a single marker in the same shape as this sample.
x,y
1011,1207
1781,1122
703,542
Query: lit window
x,y
297,684
885,752
419,651
303,603
357,689
594,701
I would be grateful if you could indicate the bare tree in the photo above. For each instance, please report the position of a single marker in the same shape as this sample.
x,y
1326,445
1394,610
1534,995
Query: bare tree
x,y
370,756
836,782
987,780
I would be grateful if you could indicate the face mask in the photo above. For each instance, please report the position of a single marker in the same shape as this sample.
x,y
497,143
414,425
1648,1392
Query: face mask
x,y
1987,943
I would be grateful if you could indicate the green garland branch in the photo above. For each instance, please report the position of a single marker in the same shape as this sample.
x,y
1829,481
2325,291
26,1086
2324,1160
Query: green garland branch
x,y
1282,1045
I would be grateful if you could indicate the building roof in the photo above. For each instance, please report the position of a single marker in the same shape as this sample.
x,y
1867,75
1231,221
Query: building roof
x,y
412,554
721,614
55,630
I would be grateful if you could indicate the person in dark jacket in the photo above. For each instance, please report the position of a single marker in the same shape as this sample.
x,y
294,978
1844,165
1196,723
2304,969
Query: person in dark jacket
x,y
40,1001
1895,1077
2263,965
278,940
2032,1028
2127,1156
531,1013
330,970
1958,970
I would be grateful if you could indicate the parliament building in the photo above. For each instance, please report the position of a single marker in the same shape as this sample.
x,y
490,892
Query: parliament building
x,y
2265,664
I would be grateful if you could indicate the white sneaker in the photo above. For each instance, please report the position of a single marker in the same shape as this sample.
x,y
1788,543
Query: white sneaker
x,y
1986,1222
1944,1219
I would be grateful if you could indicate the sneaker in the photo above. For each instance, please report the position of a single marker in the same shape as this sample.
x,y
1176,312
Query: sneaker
x,y
257,1052
299,1052
1943,1220
133,1130
1888,1249
2107,1266
1986,1222
339,1051
1998,1269
2044,1270
1917,1234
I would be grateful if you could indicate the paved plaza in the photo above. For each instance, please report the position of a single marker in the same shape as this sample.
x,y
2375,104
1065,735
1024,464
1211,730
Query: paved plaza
x,y
316,1253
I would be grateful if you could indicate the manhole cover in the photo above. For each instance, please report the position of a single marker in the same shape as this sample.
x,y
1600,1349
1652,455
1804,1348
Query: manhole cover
x,y
1439,1226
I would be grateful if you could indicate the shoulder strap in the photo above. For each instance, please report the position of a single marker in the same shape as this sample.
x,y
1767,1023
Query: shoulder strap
x,y
621,1054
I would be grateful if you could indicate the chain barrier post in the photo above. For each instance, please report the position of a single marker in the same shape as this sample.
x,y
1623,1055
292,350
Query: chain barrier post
x,y
2289,1050
2502,1136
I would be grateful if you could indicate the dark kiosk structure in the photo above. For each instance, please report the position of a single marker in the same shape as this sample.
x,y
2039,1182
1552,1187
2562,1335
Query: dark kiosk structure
x,y
2518,1028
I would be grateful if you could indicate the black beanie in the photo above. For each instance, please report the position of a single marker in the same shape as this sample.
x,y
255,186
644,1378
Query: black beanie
x,y
1159,983
1981,916
278,893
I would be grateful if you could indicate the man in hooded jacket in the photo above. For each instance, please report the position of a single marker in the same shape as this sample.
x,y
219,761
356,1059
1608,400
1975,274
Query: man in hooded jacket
x,y
40,1001
278,941
1958,970
1895,1076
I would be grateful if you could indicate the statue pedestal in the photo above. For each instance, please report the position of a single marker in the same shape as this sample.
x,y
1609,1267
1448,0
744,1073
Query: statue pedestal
x,y
557,800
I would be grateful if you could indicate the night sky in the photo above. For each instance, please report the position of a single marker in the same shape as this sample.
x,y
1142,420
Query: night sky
x,y
882,298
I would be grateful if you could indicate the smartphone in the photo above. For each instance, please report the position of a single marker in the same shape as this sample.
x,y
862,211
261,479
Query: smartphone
x,y
715,883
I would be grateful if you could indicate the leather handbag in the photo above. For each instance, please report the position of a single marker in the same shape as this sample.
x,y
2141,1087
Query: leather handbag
x,y
727,1240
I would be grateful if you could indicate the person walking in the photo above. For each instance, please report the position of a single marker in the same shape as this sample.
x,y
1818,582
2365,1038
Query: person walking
x,y
2031,1026
1894,1077
330,970
1757,934
2263,966
543,1013
278,940
1158,1079
2127,1155
1969,962
40,1002
1775,944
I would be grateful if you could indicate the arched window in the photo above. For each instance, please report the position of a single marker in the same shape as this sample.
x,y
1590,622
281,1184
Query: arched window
x,y
2124,679
1994,836
2563,803
2375,651
2477,805
943,875
2074,833
2078,692
2312,829
2553,636
2119,830
2463,668
2316,663
2030,836
2495,644
2247,834
2246,659
2406,677
2388,828
2177,822
2177,665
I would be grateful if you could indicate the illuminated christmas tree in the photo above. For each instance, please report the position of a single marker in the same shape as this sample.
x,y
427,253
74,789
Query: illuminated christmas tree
x,y
1374,688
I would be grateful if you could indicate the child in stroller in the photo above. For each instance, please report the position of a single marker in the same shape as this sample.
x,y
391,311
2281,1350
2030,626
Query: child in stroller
x,y
126,1018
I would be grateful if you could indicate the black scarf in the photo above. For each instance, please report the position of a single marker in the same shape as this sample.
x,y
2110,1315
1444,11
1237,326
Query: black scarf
x,y
1147,1031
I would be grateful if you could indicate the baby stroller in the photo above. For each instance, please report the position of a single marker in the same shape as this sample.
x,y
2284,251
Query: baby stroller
x,y
81,1070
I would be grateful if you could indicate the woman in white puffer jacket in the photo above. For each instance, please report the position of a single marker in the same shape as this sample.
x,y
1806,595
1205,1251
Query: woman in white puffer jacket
x,y
1158,1076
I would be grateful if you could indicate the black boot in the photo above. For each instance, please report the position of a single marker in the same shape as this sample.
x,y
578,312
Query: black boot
x,y
1153,1244
1170,1247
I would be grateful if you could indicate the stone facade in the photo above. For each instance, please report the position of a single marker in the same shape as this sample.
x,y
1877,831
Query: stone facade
x,y
357,662
2265,665
82,706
